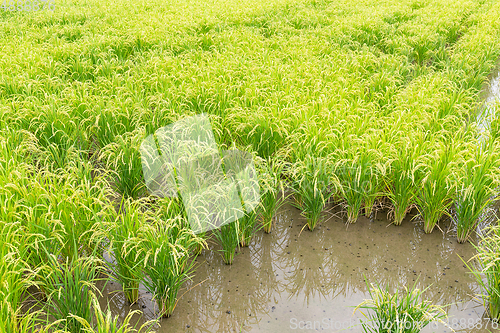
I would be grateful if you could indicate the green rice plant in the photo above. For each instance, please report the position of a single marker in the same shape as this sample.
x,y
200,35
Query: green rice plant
x,y
16,147
264,132
173,207
15,278
402,182
170,207
58,136
354,175
247,227
374,186
476,192
107,125
126,266
165,247
229,239
62,207
69,286
486,269
123,158
436,192
105,322
41,230
351,191
272,196
405,312
239,167
310,186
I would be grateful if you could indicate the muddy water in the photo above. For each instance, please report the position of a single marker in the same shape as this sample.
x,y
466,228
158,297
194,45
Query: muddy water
x,y
288,278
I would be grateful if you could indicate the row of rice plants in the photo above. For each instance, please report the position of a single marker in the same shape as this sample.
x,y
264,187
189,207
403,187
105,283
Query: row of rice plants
x,y
446,178
485,267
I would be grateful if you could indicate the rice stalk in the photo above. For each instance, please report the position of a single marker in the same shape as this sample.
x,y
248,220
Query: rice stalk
x,y
15,278
229,239
400,188
271,189
126,265
105,322
122,157
355,183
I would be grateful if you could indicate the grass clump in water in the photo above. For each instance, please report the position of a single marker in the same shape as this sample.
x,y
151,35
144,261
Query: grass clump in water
x,y
486,270
476,192
402,182
310,186
69,286
126,266
401,312
272,190
105,322
228,238
165,247
436,191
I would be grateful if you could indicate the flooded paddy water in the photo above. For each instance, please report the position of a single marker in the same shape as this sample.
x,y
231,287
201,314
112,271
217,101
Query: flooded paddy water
x,y
287,278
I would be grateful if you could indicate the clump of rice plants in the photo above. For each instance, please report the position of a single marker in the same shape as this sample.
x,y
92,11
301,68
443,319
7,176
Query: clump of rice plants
x,y
58,137
310,186
351,187
486,270
165,247
228,237
265,132
122,157
247,228
400,188
272,195
121,232
360,183
401,312
436,191
69,286
239,168
374,186
15,278
477,190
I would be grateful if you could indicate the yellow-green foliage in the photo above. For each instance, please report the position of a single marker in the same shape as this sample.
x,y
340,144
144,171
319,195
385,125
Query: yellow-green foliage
x,y
375,90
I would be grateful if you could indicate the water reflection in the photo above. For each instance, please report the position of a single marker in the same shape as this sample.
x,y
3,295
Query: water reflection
x,y
306,275
491,101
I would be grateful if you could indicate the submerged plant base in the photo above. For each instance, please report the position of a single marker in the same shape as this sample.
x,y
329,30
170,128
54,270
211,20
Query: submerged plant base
x,y
228,237
352,215
167,305
267,225
131,292
399,213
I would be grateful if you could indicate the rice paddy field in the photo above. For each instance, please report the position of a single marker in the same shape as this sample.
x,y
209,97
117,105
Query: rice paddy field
x,y
374,128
